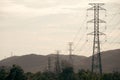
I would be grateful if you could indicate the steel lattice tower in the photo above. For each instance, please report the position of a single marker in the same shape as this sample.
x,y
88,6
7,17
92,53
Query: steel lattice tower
x,y
70,54
49,64
57,63
96,57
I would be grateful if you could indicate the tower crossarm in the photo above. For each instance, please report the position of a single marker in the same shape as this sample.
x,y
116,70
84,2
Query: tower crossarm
x,y
99,20
100,33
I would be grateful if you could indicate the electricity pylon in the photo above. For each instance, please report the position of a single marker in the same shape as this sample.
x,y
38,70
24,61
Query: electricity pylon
x,y
49,64
96,57
70,54
57,63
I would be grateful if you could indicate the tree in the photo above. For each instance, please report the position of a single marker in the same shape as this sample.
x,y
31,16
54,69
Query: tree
x,y
116,75
16,73
29,75
37,76
3,73
86,75
67,74
44,76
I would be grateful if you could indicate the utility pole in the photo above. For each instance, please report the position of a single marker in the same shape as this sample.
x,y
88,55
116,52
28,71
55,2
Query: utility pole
x,y
57,63
70,54
96,57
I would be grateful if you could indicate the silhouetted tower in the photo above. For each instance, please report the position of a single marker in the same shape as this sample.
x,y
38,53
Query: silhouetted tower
x,y
96,57
49,64
57,63
70,54
11,54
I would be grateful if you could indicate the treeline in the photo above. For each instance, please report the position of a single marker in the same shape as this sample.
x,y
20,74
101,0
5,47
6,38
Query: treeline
x,y
17,73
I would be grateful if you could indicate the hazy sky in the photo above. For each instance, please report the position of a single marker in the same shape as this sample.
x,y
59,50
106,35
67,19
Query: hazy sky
x,y
43,26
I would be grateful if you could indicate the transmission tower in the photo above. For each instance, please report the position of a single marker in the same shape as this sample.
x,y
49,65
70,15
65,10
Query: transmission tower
x,y
96,57
49,64
11,54
57,63
70,54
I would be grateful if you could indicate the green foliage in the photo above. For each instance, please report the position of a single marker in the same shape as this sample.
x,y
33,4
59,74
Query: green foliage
x,y
37,76
67,74
3,73
111,76
16,73
84,75
29,75
44,76
107,76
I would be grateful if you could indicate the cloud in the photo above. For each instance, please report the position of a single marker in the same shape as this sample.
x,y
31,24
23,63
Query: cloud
x,y
18,10
26,8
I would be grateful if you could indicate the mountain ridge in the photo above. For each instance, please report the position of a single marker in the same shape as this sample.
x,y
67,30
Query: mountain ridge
x,y
34,62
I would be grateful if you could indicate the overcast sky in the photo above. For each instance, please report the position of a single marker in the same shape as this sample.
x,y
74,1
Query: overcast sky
x,y
43,26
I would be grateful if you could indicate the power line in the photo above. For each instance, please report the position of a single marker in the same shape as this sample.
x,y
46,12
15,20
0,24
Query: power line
x,y
76,35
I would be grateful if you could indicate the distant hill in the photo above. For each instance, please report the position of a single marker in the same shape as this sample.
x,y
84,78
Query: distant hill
x,y
34,63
